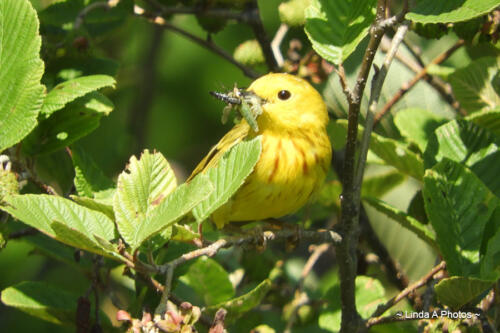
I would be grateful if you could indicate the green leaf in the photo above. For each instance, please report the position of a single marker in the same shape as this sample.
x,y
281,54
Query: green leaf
x,y
404,220
490,248
70,90
76,238
89,178
417,125
41,211
21,94
430,11
209,280
42,300
472,84
104,206
369,293
63,128
335,28
458,205
467,143
244,303
377,186
457,291
489,120
141,188
393,153
229,174
146,203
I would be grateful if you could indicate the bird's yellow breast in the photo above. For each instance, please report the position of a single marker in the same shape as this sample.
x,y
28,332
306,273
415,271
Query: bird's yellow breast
x,y
290,169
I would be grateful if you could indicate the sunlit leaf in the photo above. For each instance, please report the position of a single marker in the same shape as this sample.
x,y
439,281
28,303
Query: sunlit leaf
x,y
21,69
335,28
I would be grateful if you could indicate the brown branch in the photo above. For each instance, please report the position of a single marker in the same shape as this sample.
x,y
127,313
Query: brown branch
x,y
260,34
349,224
389,319
324,236
208,44
407,86
414,286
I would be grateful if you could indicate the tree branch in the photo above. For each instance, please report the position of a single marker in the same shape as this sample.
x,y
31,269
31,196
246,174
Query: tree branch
x,y
276,42
323,236
260,33
208,44
350,201
414,286
407,86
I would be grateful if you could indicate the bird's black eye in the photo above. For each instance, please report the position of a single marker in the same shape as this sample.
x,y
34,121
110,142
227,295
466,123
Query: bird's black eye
x,y
284,95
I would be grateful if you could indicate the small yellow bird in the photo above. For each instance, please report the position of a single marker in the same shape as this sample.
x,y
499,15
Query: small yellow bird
x,y
296,151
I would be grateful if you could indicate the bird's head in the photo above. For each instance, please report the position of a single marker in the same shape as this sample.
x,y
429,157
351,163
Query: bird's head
x,y
288,103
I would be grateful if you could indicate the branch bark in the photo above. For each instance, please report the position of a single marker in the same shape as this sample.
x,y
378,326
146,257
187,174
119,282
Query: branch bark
x,y
350,200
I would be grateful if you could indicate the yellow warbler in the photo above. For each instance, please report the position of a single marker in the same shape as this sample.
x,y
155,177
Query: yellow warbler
x,y
296,151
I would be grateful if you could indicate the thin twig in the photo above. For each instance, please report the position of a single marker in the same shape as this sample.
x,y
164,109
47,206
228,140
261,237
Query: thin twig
x,y
260,34
389,319
85,11
324,236
407,86
275,44
300,296
222,13
343,82
414,286
377,83
435,82
208,44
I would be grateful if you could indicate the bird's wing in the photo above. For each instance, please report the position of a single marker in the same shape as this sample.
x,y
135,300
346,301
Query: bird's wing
x,y
234,136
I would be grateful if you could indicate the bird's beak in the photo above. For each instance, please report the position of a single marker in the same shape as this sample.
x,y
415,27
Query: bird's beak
x,y
247,103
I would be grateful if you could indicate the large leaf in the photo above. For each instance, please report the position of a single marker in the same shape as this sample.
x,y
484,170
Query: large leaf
x,y
335,28
229,174
79,119
431,11
467,143
472,85
42,211
244,303
210,281
489,120
21,69
70,90
490,250
146,203
42,300
417,125
421,230
457,291
393,153
369,293
378,185
459,206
